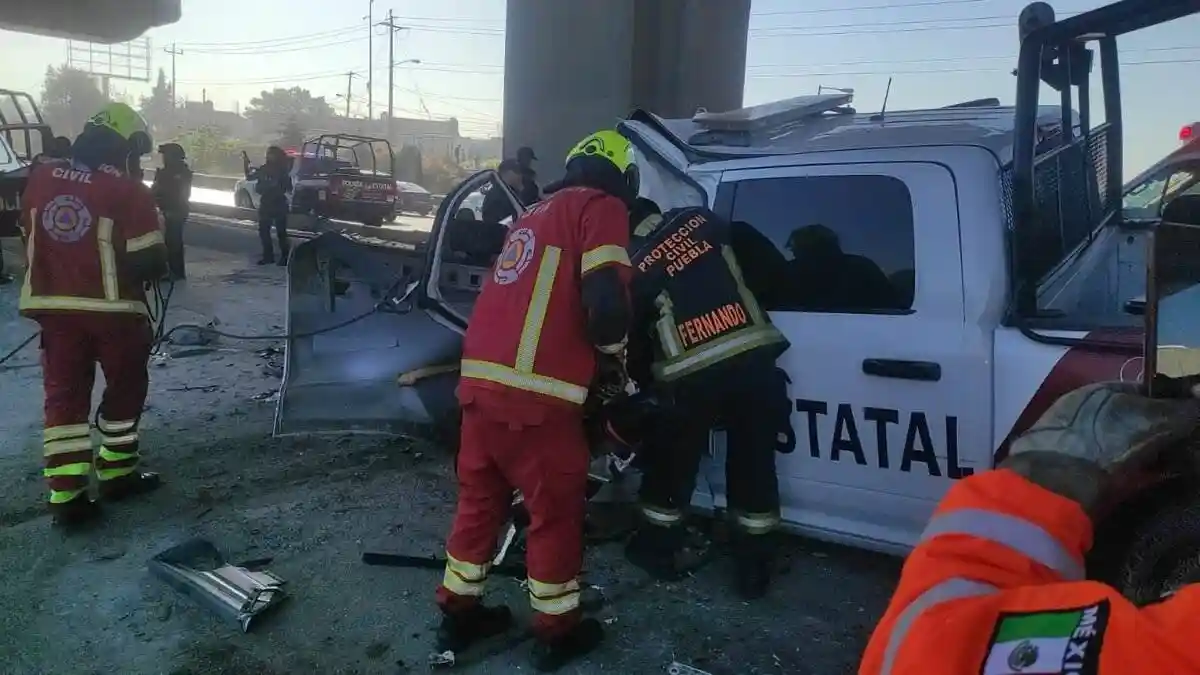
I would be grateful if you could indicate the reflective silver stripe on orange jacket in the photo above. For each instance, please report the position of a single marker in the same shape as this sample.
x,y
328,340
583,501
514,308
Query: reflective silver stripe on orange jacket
x,y
954,588
1012,532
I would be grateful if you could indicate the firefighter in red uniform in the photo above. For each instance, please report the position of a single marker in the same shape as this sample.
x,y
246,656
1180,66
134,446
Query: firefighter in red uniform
x,y
94,239
997,584
553,316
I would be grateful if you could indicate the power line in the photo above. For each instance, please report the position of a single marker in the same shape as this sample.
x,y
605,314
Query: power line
x,y
949,70
899,5
281,49
289,39
1005,57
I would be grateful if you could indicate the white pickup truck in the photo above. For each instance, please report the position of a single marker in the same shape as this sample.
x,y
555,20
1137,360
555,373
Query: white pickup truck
x,y
991,282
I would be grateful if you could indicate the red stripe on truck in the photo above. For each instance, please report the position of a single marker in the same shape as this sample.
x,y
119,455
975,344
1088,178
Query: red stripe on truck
x,y
1077,367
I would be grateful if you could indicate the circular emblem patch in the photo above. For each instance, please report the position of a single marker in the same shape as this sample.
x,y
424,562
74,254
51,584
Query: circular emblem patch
x,y
66,219
516,256
1023,656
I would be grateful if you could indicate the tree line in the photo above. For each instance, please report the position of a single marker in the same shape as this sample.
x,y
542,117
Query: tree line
x,y
281,116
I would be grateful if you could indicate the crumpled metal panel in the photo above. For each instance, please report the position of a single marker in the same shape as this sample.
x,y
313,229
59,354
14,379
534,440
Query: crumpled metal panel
x,y
348,379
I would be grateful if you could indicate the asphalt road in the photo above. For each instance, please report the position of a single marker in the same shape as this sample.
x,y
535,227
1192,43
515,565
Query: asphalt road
x,y
315,504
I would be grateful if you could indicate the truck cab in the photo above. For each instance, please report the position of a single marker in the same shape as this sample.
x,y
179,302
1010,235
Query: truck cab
x,y
982,268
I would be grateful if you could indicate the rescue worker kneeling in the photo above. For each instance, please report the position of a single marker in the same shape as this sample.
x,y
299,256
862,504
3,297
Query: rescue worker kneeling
x,y
555,307
996,584
94,239
713,361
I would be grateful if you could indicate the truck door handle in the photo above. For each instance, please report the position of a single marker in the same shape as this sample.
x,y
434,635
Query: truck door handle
x,y
923,371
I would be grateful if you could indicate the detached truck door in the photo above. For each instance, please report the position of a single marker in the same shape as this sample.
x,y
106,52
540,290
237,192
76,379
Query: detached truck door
x,y
889,384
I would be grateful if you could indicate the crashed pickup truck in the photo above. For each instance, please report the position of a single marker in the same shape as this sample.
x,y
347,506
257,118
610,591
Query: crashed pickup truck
x,y
23,135
994,272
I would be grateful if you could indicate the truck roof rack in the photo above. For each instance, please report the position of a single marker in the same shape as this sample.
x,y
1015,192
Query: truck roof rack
x,y
776,114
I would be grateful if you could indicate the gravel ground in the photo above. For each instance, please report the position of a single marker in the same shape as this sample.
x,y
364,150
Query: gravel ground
x,y
86,604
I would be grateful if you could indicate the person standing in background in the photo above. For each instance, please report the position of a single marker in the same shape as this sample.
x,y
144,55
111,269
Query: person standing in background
x,y
273,183
529,191
173,193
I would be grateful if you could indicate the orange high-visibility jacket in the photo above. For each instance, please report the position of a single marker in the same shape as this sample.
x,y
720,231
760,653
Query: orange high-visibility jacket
x,y
996,586
528,332
81,224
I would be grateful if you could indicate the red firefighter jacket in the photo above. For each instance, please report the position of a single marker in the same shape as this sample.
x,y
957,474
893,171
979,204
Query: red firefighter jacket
x,y
996,587
527,334
80,225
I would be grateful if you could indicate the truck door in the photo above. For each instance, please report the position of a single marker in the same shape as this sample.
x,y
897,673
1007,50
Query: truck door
x,y
391,369
891,388
468,233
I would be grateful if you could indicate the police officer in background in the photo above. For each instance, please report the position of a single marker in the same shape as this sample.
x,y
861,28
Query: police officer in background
x,y
273,183
173,193
711,356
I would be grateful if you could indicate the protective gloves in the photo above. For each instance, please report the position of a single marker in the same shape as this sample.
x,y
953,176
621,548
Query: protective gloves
x,y
611,376
1093,436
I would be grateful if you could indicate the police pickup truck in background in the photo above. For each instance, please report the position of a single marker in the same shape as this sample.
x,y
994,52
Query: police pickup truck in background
x,y
972,280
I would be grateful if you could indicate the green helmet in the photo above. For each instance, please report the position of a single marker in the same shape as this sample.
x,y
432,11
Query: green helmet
x,y
127,123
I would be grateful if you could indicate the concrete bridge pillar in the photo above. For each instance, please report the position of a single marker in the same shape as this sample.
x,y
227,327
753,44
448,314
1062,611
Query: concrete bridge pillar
x,y
573,67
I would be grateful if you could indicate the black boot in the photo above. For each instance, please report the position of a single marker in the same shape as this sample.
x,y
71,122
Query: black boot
x,y
75,514
752,560
462,629
136,483
550,655
654,549
5,279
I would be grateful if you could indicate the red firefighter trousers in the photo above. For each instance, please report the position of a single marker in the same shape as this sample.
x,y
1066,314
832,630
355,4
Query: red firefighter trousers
x,y
72,345
544,454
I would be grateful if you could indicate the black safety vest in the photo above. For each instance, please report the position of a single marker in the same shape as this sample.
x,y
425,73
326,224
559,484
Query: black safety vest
x,y
686,272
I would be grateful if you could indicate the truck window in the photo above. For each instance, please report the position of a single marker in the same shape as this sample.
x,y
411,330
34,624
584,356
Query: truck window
x,y
842,244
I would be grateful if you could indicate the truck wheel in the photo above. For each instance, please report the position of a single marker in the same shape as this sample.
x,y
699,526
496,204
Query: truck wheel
x,y
1164,554
242,200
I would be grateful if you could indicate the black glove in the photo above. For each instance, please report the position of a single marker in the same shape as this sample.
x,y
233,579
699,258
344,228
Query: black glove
x,y
611,377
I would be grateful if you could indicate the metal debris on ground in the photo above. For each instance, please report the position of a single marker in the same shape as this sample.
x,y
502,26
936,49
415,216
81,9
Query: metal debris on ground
x,y
266,396
677,668
237,593
442,660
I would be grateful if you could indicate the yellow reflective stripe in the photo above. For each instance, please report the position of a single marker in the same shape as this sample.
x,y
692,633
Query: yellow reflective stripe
x,y
532,382
108,259
65,431
111,456
668,334
603,255
748,299
539,304
115,427
124,439
29,301
464,578
51,448
144,242
553,599
76,469
27,284
64,496
661,516
757,523
111,474
719,349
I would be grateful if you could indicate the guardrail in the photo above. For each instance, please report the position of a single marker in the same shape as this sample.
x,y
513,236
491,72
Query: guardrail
x,y
302,223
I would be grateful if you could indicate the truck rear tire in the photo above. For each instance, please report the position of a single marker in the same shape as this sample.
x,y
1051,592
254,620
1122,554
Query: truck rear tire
x,y
1163,554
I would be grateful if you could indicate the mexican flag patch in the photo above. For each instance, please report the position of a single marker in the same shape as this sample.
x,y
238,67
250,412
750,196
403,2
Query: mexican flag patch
x,y
1048,643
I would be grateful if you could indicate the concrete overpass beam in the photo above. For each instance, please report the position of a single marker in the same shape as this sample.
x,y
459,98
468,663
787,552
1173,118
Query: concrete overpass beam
x,y
574,67
102,21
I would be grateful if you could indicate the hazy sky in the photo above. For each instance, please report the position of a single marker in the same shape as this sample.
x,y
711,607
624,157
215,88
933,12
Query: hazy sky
x,y
939,53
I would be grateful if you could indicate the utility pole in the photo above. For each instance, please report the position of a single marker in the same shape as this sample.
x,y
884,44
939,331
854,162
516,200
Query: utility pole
x,y
173,52
392,30
370,59
349,86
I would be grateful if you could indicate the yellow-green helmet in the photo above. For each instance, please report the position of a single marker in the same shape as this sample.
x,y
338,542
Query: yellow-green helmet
x,y
127,123
607,144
